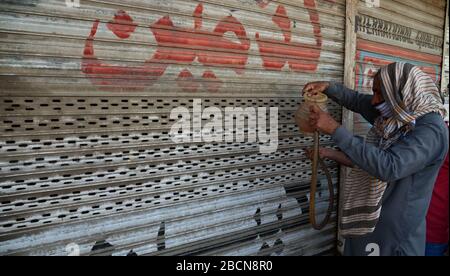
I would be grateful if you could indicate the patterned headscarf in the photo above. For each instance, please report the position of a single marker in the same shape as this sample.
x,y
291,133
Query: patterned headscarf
x,y
410,93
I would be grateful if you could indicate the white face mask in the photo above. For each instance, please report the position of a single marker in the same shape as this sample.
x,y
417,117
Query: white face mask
x,y
384,109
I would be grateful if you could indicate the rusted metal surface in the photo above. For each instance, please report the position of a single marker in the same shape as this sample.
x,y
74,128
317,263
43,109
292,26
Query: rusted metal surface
x,y
86,158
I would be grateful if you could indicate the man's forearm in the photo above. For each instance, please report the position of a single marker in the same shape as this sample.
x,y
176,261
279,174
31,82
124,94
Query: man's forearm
x,y
352,100
340,157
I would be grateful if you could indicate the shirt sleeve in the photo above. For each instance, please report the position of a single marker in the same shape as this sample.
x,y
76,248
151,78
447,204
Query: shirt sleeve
x,y
353,100
421,147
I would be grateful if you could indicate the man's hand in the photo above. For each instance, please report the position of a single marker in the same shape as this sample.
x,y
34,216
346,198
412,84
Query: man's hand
x,y
322,121
323,153
314,88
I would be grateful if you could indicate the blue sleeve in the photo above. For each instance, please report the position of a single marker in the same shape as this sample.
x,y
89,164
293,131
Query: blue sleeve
x,y
421,147
352,100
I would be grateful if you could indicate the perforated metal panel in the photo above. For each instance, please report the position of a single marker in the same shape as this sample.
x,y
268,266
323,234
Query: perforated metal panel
x,y
87,163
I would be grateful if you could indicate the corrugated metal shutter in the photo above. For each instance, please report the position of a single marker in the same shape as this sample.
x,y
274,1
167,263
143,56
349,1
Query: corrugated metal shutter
x,y
390,31
445,70
87,164
446,61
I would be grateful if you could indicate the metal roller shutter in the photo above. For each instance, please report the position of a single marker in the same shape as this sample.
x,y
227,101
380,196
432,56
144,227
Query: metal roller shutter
x,y
87,164
408,31
445,62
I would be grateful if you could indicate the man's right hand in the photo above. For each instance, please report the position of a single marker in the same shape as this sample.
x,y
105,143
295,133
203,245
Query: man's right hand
x,y
313,88
323,152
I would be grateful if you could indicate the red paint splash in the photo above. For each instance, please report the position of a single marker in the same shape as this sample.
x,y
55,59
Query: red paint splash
x,y
281,19
198,16
211,83
187,82
182,45
314,19
114,77
122,25
299,56
263,3
175,45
